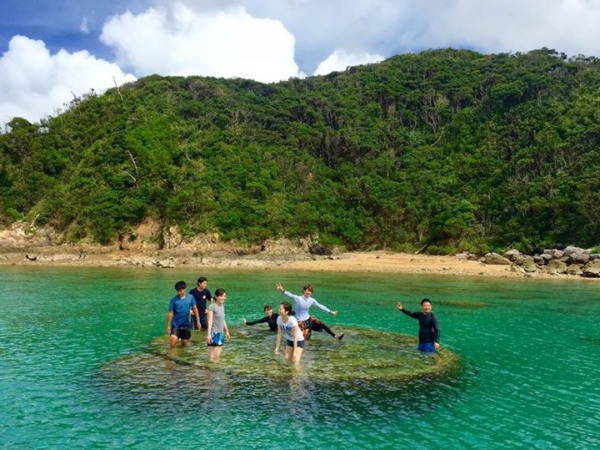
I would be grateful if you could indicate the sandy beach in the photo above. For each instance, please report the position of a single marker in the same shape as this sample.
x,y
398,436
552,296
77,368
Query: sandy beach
x,y
356,262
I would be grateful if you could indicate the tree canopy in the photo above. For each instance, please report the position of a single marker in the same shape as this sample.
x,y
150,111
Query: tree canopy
x,y
447,149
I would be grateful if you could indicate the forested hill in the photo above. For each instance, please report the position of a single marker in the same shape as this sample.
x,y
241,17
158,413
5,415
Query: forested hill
x,y
453,150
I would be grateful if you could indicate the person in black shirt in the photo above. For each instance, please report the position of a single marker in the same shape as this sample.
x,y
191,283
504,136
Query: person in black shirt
x,y
270,319
429,327
202,297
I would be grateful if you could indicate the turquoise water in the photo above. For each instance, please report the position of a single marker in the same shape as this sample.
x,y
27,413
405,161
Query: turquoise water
x,y
76,371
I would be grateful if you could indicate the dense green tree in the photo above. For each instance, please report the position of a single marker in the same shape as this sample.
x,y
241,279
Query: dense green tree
x,y
445,150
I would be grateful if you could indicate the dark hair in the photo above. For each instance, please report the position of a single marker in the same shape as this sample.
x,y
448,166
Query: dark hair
x,y
219,292
287,307
180,285
426,300
267,307
309,287
201,280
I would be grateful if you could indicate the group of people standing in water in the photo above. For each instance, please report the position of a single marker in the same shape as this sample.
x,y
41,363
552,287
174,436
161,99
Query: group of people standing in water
x,y
295,325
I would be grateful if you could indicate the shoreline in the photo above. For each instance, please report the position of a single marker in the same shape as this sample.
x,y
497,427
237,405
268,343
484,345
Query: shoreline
x,y
348,262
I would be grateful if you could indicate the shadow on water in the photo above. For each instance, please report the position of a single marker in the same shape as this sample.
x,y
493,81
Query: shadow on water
x,y
369,374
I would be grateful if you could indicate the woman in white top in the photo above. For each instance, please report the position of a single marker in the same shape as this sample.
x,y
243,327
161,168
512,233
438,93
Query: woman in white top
x,y
287,326
305,320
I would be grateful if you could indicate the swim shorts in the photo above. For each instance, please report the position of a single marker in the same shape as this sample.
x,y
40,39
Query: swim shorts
x,y
183,333
427,347
218,339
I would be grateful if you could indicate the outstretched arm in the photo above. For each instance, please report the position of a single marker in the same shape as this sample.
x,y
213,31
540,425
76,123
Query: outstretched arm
x,y
254,322
324,308
405,311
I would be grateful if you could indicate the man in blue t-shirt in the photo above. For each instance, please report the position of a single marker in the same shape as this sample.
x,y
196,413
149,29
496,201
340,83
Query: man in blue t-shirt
x,y
178,318
202,297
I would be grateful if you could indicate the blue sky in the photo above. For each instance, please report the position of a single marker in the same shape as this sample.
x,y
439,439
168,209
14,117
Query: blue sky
x,y
52,50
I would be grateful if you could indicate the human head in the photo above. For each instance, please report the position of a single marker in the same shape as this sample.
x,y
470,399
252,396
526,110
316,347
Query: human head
x,y
268,309
307,290
180,285
426,305
286,308
202,280
220,294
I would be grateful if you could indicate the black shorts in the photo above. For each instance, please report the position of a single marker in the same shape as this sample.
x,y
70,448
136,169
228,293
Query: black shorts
x,y
299,344
183,333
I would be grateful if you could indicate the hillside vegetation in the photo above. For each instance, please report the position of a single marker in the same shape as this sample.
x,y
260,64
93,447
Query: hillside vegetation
x,y
445,150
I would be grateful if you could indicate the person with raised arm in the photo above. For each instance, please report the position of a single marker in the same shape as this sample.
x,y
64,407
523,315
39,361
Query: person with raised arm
x,y
303,303
429,327
270,319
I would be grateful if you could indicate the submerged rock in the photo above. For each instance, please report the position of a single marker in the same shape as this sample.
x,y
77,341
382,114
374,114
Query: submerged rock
x,y
362,354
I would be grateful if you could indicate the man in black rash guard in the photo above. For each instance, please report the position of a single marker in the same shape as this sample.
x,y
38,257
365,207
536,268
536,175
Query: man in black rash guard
x,y
270,319
202,297
429,327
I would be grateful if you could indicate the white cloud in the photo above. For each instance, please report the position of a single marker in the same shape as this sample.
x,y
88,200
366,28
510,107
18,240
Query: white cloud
x,y
273,40
340,60
185,41
35,83
390,27
83,27
570,26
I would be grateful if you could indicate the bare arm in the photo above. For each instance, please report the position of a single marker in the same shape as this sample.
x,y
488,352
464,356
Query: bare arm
x,y
277,341
209,327
169,320
227,335
197,316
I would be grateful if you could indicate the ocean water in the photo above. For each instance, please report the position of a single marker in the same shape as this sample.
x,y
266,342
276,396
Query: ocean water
x,y
76,369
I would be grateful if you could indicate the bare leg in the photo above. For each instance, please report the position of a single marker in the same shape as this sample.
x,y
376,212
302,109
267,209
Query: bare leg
x,y
288,353
214,352
298,355
173,340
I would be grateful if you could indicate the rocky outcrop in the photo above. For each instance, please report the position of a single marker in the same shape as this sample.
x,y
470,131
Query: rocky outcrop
x,y
527,263
555,266
573,261
495,258
592,269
